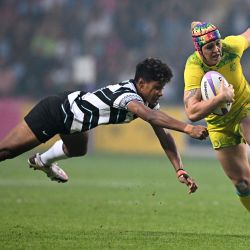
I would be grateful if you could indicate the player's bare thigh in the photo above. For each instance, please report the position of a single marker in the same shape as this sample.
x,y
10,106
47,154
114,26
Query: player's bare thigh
x,y
245,128
18,140
75,144
234,161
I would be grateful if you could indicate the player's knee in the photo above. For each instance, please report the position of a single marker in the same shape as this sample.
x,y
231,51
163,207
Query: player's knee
x,y
77,152
6,154
74,151
82,152
242,187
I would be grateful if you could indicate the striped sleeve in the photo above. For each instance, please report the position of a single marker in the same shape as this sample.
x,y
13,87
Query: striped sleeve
x,y
124,99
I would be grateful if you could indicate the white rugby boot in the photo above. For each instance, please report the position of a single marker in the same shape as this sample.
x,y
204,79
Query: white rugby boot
x,y
54,172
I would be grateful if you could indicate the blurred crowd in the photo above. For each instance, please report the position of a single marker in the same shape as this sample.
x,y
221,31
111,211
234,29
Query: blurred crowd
x,y
48,46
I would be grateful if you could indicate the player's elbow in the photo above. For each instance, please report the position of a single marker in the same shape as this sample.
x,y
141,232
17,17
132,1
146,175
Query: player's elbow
x,y
194,117
151,117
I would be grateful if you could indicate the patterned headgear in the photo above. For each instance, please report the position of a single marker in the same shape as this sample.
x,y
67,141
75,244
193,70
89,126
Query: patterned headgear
x,y
203,33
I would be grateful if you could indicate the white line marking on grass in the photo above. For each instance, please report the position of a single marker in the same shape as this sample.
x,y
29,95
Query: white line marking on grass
x,y
74,182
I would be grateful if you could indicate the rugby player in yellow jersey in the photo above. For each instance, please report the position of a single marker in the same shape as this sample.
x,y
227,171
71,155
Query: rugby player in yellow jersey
x,y
229,133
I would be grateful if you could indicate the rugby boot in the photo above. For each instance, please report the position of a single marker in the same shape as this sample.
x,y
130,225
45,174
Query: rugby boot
x,y
53,171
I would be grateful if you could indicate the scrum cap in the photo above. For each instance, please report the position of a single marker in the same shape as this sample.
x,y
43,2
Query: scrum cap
x,y
203,33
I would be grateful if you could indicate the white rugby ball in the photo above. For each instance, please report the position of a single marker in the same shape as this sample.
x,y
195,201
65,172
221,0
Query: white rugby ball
x,y
210,85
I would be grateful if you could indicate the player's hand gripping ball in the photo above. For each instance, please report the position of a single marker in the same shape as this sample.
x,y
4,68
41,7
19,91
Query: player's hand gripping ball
x,y
210,85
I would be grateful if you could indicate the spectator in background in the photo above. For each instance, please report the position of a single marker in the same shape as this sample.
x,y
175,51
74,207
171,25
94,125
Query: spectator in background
x,y
40,40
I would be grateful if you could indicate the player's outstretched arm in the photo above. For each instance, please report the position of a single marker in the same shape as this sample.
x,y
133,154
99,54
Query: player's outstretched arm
x,y
158,118
168,144
246,34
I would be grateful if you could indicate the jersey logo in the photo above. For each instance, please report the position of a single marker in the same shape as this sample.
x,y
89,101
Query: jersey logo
x,y
44,132
232,66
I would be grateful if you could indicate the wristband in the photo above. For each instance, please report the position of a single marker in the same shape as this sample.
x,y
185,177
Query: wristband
x,y
181,172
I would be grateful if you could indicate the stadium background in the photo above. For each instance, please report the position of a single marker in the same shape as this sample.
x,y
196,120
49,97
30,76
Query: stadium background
x,y
113,200
51,46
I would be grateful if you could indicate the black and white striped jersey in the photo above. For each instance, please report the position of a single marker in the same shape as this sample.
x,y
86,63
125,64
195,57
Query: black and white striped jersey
x,y
84,111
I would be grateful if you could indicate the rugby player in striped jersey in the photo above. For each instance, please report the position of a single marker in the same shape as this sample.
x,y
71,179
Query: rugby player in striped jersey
x,y
73,114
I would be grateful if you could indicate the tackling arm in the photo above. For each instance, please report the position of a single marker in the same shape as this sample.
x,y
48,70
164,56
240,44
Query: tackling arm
x,y
168,144
158,118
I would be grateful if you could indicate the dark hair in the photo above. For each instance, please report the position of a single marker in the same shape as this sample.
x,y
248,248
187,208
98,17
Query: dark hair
x,y
152,69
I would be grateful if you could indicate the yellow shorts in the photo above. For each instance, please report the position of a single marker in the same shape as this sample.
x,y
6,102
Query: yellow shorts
x,y
228,134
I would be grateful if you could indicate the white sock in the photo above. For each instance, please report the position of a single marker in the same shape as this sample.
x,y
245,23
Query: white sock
x,y
54,153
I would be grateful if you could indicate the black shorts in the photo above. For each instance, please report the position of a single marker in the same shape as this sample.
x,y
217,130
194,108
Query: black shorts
x,y
46,119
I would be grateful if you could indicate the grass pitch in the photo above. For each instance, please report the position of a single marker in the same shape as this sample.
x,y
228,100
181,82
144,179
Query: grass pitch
x,y
120,202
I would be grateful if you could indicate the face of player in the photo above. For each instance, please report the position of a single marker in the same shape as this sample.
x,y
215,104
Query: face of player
x,y
150,91
212,52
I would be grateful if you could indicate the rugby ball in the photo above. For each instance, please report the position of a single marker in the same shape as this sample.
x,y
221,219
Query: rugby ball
x,y
210,85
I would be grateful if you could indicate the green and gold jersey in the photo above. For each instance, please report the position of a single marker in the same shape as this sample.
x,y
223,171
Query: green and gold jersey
x,y
230,67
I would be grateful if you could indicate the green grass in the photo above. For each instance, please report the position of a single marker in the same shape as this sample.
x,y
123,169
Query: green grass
x,y
120,202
